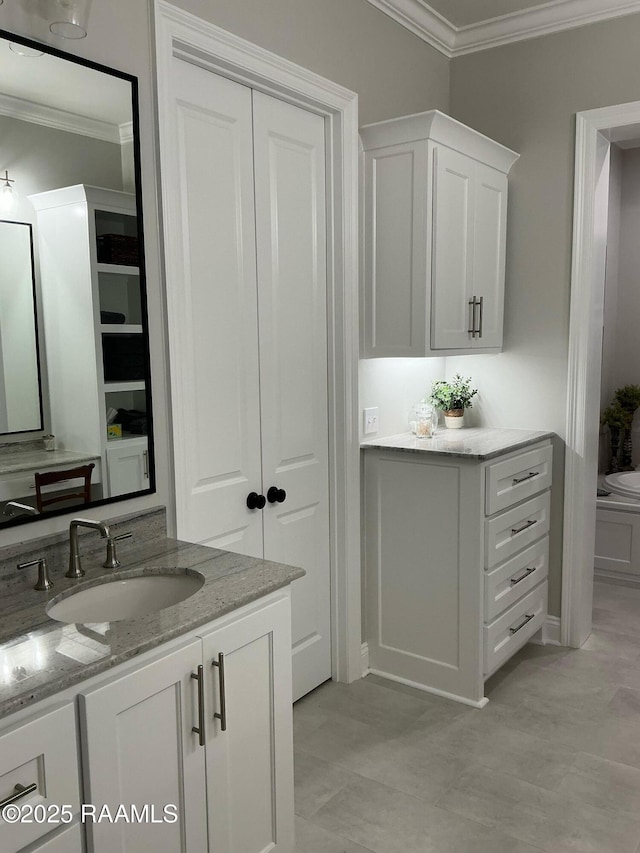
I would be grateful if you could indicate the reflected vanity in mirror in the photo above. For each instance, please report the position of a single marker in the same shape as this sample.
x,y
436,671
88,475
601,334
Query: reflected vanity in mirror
x,y
75,395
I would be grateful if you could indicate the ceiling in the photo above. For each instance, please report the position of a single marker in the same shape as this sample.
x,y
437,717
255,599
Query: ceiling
x,y
456,27
52,91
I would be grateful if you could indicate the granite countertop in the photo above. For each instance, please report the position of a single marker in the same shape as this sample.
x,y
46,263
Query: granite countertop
x,y
40,656
33,460
470,443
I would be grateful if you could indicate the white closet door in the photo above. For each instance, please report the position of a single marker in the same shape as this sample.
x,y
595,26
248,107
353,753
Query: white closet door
x,y
213,317
291,251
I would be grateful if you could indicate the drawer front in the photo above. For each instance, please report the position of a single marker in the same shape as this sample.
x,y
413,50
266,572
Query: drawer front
x,y
509,632
515,479
510,581
515,529
43,752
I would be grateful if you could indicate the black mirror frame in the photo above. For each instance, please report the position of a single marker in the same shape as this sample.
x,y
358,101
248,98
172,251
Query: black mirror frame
x,y
133,81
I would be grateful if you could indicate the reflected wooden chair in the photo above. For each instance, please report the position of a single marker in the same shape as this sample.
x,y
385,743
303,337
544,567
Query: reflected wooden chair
x,y
82,494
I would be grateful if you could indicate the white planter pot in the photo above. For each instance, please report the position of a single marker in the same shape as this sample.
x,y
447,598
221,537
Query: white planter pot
x,y
454,421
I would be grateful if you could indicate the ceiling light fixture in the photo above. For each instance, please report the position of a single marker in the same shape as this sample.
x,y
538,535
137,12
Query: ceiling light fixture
x,y
69,18
7,193
23,50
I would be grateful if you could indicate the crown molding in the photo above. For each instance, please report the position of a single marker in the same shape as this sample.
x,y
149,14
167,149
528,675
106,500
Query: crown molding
x,y
422,21
58,119
544,19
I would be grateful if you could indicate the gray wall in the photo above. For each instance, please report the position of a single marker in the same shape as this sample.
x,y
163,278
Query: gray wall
x,y
347,41
526,95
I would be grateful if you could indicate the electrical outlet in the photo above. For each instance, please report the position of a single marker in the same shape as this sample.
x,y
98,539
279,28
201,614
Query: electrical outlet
x,y
371,420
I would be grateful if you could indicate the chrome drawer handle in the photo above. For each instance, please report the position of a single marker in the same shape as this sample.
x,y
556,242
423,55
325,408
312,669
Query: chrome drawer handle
x,y
20,792
199,729
222,716
526,619
515,530
518,480
528,571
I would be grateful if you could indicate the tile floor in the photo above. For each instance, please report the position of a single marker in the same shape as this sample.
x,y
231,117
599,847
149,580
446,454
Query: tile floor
x,y
551,763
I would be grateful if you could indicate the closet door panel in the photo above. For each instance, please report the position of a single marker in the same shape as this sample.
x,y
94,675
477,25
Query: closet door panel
x,y
291,251
213,320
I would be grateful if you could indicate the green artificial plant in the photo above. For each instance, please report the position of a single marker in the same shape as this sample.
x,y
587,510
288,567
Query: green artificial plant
x,y
455,394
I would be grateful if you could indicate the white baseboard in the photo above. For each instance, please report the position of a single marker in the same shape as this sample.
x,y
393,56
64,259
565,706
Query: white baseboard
x,y
462,699
549,634
364,652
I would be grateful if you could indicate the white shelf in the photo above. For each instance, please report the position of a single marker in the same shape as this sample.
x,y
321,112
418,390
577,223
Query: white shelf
x,y
117,269
121,328
112,387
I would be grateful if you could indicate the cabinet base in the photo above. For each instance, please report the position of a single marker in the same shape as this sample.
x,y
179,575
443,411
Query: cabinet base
x,y
480,703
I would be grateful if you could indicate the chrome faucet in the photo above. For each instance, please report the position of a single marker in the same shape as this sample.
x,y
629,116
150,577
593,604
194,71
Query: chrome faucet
x,y
75,566
12,508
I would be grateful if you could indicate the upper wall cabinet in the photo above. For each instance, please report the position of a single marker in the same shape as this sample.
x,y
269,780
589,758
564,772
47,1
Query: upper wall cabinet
x,y
435,217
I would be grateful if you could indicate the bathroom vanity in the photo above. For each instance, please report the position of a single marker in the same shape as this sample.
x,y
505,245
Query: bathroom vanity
x,y
184,710
456,554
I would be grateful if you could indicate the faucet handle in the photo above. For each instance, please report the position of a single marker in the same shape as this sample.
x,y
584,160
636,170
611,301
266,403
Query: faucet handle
x,y
44,582
112,561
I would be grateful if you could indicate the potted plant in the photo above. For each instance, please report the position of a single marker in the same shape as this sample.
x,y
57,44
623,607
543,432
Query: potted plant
x,y
617,417
453,398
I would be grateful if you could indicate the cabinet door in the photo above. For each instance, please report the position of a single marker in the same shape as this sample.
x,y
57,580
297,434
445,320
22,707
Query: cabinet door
x,y
292,290
489,240
213,319
452,249
128,466
139,749
394,309
250,764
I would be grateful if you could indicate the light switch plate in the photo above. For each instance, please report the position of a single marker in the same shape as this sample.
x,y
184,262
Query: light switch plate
x,y
370,420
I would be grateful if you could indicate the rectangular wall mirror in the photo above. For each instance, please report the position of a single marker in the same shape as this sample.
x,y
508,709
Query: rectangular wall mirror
x,y
75,389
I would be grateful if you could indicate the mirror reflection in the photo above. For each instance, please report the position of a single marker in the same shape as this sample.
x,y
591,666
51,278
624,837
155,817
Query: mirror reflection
x,y
75,415
20,409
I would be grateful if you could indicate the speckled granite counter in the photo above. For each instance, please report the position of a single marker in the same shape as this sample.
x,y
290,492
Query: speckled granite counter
x,y
34,460
473,443
40,657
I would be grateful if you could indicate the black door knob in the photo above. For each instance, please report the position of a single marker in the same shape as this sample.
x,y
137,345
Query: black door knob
x,y
256,501
276,495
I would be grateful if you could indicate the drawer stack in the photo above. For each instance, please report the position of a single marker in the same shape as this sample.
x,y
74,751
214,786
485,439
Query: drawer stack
x,y
516,553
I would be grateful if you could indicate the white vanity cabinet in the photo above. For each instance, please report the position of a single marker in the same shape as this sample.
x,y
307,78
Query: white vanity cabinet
x,y
434,237
456,554
39,765
128,465
171,729
140,745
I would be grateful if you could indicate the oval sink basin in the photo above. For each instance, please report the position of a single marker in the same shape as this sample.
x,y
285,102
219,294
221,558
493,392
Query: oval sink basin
x,y
125,598
625,483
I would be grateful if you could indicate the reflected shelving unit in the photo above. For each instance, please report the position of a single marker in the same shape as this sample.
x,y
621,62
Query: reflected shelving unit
x,y
94,329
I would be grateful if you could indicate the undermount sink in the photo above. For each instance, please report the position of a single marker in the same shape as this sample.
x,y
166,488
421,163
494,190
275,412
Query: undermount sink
x,y
125,598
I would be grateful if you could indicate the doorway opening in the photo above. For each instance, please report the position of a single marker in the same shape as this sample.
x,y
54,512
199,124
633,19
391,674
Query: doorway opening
x,y
597,132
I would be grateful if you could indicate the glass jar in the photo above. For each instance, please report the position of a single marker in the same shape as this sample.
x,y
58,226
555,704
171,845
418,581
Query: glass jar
x,y
423,420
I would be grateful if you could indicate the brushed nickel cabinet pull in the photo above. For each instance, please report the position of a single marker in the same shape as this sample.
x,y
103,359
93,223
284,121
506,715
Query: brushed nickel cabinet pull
x,y
480,324
145,457
519,627
20,792
518,480
525,574
472,317
199,729
222,716
515,530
